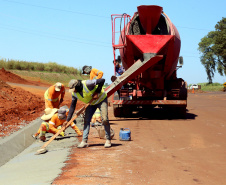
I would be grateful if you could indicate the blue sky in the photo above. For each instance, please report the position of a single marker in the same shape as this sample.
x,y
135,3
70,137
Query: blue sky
x,y
76,33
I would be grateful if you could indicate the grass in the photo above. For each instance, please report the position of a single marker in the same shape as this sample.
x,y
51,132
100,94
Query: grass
x,y
48,77
52,77
210,87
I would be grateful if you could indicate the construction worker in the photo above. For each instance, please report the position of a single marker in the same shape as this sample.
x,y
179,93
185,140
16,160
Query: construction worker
x,y
96,119
119,69
85,91
53,122
52,96
44,127
94,73
224,84
59,118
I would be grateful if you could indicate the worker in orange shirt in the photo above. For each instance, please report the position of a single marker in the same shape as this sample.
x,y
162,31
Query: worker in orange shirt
x,y
54,123
52,96
94,73
44,127
59,118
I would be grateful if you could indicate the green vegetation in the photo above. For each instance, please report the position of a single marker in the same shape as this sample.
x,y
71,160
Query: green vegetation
x,y
47,77
50,72
37,66
210,86
213,49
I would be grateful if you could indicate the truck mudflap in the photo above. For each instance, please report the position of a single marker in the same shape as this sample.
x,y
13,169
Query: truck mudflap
x,y
150,102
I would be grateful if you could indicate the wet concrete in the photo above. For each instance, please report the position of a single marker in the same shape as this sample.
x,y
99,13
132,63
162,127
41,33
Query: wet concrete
x,y
20,165
28,168
15,143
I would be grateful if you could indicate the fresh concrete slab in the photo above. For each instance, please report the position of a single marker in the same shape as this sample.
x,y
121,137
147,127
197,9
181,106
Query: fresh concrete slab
x,y
30,169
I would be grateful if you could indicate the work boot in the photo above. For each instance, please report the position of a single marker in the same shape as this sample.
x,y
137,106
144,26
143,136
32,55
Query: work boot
x,y
107,144
83,144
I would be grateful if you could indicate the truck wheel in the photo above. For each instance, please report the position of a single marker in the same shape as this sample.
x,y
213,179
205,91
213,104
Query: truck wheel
x,y
117,111
127,111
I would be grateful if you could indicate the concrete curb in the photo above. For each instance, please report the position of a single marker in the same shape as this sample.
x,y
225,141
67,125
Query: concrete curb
x,y
15,143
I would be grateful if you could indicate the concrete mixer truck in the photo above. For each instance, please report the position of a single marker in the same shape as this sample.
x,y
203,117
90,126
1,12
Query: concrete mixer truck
x,y
149,47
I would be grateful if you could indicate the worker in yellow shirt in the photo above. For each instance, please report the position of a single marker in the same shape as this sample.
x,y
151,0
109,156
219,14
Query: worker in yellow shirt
x,y
52,95
94,73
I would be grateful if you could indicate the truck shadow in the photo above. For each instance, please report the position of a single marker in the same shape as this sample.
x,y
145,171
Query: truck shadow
x,y
157,114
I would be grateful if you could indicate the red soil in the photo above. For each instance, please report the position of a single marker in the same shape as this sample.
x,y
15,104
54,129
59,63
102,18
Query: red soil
x,y
17,106
7,76
20,105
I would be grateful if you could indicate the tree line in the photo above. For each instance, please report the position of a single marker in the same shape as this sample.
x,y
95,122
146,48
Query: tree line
x,y
38,66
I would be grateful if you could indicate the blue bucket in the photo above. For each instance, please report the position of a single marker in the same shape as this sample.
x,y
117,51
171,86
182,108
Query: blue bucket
x,y
125,134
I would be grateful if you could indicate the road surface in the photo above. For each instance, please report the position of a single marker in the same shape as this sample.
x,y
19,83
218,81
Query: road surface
x,y
163,150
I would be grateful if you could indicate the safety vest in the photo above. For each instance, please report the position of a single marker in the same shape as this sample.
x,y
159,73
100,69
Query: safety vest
x,y
47,96
42,133
87,94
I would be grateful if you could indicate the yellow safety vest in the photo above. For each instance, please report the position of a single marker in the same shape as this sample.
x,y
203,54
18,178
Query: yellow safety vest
x,y
42,133
47,96
87,94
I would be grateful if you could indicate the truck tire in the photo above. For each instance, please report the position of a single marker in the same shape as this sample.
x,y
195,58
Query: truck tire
x,y
117,111
127,111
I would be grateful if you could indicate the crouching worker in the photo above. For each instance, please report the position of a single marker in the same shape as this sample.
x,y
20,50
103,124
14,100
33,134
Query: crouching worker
x,y
96,119
44,127
53,122
59,118
85,91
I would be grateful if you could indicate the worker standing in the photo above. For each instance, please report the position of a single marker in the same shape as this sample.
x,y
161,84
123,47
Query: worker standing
x,y
224,84
94,73
85,91
52,96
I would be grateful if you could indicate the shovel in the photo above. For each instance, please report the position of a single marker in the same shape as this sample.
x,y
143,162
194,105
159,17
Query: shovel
x,y
43,148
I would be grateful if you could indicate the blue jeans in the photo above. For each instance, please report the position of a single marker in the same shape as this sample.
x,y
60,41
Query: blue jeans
x,y
90,110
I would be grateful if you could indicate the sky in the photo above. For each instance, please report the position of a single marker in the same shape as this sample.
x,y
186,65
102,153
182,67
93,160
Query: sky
x,y
77,33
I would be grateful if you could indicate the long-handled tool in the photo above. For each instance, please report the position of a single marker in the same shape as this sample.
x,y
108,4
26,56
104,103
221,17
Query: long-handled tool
x,y
43,148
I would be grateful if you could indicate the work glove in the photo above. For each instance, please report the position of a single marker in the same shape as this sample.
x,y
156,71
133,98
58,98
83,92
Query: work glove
x,y
62,134
61,100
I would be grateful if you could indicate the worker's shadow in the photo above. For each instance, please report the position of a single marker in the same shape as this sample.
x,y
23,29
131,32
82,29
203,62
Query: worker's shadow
x,y
58,138
101,144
